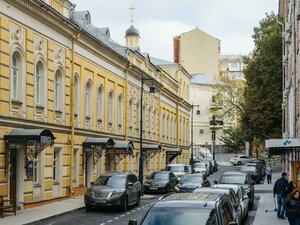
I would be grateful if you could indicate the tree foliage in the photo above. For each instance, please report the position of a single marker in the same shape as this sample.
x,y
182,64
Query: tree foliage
x,y
262,114
234,139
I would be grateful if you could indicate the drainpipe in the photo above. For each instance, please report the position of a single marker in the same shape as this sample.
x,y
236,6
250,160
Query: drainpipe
x,y
72,118
294,71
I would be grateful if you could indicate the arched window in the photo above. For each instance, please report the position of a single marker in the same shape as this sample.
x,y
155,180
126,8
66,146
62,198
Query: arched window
x,y
130,113
15,75
110,108
120,111
100,104
76,95
58,90
88,99
39,83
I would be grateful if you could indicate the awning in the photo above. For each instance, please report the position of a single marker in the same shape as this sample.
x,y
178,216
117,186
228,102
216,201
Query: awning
x,y
172,153
151,147
92,143
122,147
41,137
282,146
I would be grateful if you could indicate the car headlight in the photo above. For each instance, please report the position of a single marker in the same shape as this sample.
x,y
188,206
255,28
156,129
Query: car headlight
x,y
177,189
114,194
90,193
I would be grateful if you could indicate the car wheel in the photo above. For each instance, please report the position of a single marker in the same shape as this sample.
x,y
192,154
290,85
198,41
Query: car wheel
x,y
124,204
239,163
138,199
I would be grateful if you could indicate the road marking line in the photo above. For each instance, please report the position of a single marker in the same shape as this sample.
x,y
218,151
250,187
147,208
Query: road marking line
x,y
122,215
143,206
102,224
133,211
116,218
109,221
128,213
138,208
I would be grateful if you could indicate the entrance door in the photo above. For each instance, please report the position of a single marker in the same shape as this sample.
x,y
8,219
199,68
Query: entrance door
x,y
13,175
89,170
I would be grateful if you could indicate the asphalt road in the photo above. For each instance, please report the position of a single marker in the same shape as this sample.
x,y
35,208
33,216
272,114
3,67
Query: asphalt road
x,y
107,216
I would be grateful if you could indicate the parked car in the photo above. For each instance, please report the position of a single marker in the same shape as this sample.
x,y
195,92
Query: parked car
x,y
262,164
178,169
215,165
113,189
201,167
191,209
241,195
233,199
190,182
240,178
160,181
254,170
240,160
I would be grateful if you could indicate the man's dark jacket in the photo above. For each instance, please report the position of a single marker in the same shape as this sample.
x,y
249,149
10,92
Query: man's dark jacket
x,y
280,186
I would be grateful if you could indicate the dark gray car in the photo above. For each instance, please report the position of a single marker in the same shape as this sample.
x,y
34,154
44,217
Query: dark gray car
x,y
160,181
115,190
190,182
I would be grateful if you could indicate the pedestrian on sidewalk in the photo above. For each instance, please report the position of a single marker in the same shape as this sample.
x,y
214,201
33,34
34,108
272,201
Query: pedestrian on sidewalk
x,y
279,190
269,173
292,207
290,188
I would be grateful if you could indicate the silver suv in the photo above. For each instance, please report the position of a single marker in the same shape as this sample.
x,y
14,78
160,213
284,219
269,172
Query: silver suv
x,y
113,189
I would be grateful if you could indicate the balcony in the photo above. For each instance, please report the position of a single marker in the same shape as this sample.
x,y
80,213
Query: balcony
x,y
214,106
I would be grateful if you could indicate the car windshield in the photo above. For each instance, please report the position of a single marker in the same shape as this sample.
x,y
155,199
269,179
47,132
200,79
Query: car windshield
x,y
191,179
159,176
115,180
200,165
180,216
175,168
248,168
233,179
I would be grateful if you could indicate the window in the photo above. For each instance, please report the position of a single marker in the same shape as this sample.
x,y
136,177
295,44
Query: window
x,y
76,166
120,110
36,170
154,121
110,108
58,90
54,165
88,99
144,118
163,125
39,87
149,120
137,121
15,74
100,104
76,94
130,113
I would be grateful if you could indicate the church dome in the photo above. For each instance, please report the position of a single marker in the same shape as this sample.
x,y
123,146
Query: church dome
x,y
132,31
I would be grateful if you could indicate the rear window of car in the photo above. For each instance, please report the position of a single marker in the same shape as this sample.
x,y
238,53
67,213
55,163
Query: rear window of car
x,y
175,168
180,216
248,168
233,179
159,176
190,178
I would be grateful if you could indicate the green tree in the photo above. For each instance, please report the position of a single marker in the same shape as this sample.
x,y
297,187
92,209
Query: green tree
x,y
233,139
262,114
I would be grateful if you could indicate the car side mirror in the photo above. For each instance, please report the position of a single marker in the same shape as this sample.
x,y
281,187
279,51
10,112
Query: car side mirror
x,y
92,183
132,222
216,182
130,184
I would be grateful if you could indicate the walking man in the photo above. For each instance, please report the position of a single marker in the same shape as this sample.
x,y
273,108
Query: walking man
x,y
280,191
269,173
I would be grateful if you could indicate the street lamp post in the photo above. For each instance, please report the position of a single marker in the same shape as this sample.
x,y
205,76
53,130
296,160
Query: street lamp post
x,y
213,123
141,158
192,132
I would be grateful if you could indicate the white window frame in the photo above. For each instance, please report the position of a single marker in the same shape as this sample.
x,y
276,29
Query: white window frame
x,y
120,110
110,108
15,74
76,94
38,82
88,99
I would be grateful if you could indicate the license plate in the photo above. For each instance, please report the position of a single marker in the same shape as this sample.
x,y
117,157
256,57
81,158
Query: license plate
x,y
153,188
100,201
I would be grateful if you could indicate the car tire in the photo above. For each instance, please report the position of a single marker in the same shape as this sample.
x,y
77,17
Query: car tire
x,y
239,163
124,204
138,199
251,203
168,189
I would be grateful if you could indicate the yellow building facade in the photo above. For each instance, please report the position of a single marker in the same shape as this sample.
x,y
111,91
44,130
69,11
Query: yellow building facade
x,y
70,102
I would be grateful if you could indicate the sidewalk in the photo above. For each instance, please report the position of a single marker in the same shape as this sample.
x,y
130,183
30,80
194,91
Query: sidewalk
x,y
31,215
266,202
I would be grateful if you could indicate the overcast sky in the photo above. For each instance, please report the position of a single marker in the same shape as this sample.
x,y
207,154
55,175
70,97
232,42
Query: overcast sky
x,y
158,21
